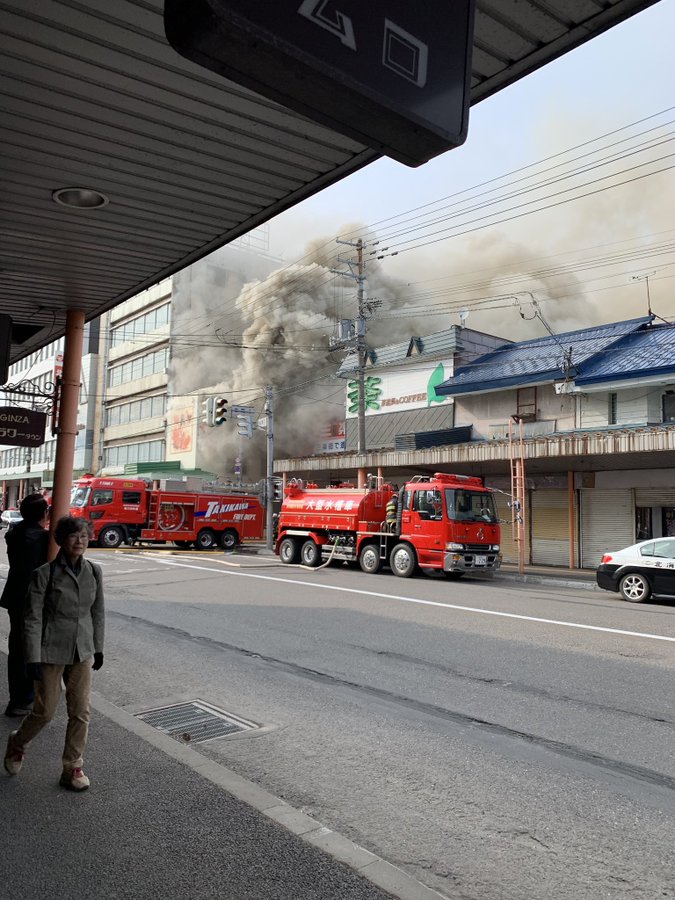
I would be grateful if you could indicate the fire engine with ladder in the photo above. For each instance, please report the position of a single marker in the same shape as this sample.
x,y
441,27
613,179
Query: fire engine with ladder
x,y
131,510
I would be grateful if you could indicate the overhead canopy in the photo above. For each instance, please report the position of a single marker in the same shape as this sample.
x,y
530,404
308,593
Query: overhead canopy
x,y
92,96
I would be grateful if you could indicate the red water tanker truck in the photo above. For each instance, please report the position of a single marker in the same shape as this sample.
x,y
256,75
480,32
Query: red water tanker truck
x,y
444,522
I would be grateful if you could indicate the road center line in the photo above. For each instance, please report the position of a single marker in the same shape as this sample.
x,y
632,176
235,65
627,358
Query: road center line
x,y
472,609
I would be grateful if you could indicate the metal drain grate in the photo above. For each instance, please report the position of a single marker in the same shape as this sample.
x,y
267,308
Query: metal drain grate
x,y
194,722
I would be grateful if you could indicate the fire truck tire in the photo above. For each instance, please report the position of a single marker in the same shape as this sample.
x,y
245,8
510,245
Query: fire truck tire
x,y
403,561
369,559
288,550
206,539
310,554
229,539
110,537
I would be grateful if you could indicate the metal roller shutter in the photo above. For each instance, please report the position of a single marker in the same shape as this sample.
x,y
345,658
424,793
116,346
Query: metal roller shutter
x,y
664,496
508,545
550,528
607,523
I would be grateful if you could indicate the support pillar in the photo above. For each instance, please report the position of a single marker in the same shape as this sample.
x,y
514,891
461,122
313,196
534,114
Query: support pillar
x,y
571,518
67,419
362,477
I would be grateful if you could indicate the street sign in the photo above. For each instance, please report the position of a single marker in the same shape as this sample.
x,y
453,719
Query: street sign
x,y
392,74
22,427
242,410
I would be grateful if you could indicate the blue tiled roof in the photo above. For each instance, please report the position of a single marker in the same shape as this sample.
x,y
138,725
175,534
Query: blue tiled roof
x,y
541,360
644,353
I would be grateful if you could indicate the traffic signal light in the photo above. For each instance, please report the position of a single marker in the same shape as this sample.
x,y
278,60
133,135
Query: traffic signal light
x,y
219,410
278,491
245,425
208,406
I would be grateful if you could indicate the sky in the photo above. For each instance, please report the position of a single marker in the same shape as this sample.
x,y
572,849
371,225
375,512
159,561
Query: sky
x,y
619,78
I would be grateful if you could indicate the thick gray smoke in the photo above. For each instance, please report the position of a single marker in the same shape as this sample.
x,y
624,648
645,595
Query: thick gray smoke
x,y
276,329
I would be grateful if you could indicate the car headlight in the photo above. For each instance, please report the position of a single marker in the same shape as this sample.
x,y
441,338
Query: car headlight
x,y
454,546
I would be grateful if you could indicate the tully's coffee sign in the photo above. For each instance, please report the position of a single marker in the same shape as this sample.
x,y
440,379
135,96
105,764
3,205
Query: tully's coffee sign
x,y
22,427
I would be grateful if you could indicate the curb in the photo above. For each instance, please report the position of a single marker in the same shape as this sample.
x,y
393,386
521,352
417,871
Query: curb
x,y
372,867
547,579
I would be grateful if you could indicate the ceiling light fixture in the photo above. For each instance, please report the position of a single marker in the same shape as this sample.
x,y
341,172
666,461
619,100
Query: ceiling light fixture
x,y
80,198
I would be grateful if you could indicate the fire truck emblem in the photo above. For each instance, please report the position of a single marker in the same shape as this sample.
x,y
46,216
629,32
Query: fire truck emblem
x,y
481,534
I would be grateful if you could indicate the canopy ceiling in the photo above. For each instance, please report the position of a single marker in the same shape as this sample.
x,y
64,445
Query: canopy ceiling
x,y
92,96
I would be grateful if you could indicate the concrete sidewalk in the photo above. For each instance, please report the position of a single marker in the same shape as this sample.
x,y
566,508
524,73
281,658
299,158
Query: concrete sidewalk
x,y
162,821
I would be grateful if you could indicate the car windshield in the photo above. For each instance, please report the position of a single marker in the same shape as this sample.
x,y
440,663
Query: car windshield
x,y
470,506
79,496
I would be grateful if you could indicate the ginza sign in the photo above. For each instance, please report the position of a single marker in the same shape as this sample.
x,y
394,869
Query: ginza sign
x,y
22,427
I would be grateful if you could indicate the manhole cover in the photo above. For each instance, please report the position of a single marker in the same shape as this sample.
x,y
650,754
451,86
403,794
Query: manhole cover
x,y
194,722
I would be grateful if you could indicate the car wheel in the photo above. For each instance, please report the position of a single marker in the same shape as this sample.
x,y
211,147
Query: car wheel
x,y
229,539
288,551
369,559
310,554
635,588
403,561
110,537
206,539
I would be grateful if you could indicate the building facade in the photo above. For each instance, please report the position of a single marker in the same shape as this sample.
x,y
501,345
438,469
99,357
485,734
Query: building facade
x,y
27,469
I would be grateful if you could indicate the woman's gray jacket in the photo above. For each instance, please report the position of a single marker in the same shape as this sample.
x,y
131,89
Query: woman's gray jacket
x,y
64,613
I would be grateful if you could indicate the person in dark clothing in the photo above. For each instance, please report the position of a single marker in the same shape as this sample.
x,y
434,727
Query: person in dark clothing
x,y
27,545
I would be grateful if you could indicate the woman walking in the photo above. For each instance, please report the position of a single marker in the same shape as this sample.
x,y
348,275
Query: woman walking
x,y
63,640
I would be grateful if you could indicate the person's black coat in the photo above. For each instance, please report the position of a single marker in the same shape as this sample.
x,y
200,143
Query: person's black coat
x,y
27,546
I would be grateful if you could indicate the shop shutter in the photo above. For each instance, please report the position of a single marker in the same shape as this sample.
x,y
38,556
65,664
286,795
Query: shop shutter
x,y
607,523
508,545
550,528
664,496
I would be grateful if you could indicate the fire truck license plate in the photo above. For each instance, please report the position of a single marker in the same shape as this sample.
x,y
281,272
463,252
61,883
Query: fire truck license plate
x,y
480,560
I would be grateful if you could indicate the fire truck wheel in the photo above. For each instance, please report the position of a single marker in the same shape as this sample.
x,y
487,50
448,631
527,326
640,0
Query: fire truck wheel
x,y
403,561
229,539
288,550
110,537
310,554
206,539
369,559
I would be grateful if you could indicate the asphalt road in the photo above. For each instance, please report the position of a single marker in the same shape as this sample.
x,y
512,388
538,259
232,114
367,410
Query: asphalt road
x,y
495,740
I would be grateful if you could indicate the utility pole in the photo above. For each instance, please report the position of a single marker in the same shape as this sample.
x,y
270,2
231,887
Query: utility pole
x,y
357,340
269,428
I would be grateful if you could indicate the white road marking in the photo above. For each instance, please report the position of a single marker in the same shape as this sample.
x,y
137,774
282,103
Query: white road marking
x,y
472,609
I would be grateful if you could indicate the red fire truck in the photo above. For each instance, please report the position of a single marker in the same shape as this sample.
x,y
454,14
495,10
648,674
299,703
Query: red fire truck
x,y
445,522
129,509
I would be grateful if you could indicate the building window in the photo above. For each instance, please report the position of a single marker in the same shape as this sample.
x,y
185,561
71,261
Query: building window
x,y
150,364
669,406
611,412
137,410
527,404
144,324
146,451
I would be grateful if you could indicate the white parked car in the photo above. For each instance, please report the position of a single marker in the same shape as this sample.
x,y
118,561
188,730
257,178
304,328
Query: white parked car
x,y
10,517
640,570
